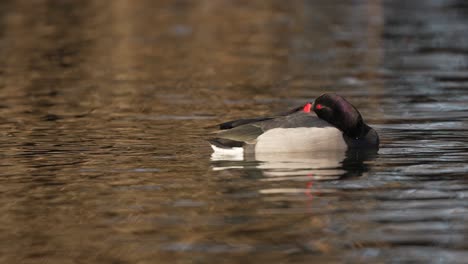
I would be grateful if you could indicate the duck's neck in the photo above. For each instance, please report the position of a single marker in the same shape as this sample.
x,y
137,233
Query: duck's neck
x,y
358,131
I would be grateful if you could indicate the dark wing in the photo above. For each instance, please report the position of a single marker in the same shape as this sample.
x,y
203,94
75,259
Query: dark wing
x,y
245,133
237,136
295,120
244,121
240,122
248,133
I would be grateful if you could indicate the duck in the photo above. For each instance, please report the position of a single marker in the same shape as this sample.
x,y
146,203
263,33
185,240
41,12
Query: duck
x,y
329,123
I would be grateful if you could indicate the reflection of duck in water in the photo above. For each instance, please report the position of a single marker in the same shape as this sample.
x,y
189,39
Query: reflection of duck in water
x,y
313,167
301,170
324,165
316,165
334,124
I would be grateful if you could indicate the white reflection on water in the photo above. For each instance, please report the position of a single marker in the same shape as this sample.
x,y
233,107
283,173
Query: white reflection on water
x,y
298,166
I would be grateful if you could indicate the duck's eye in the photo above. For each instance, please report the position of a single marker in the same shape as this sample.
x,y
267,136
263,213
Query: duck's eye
x,y
318,106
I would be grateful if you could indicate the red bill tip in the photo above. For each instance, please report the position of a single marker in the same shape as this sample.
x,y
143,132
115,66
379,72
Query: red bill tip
x,y
307,107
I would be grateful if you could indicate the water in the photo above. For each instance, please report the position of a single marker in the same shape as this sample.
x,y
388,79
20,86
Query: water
x,y
105,108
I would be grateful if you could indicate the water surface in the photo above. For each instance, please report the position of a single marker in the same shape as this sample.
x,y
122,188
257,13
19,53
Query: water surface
x,y
105,107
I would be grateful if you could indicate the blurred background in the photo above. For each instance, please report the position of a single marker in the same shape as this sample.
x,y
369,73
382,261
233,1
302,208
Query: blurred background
x,y
105,107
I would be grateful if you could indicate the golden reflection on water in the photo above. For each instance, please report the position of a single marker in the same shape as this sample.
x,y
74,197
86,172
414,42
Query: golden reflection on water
x,y
83,85
104,107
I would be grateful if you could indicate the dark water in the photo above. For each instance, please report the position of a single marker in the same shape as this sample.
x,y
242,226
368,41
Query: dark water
x,y
104,109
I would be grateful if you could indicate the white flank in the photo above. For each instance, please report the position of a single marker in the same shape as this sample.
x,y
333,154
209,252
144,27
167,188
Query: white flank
x,y
227,153
302,139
